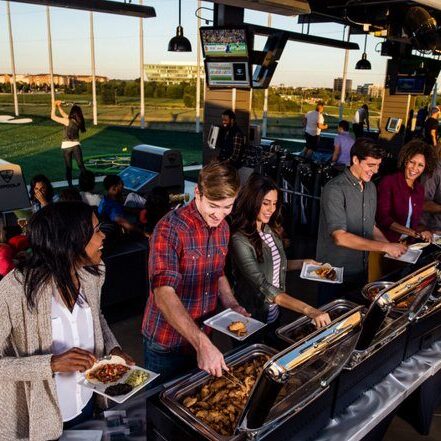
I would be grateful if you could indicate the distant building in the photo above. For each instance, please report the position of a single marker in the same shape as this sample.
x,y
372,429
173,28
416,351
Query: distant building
x,y
370,89
45,79
172,73
338,84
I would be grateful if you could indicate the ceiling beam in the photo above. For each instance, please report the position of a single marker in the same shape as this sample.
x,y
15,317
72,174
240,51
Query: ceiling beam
x,y
106,6
304,38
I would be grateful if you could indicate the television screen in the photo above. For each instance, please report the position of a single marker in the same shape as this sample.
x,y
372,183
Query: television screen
x,y
227,74
224,42
412,85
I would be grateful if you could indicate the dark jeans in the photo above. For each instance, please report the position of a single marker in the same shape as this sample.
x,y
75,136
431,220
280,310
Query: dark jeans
x,y
358,130
78,155
168,363
312,141
86,414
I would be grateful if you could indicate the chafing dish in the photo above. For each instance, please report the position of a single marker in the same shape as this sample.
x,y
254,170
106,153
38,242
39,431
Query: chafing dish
x,y
293,392
382,342
426,326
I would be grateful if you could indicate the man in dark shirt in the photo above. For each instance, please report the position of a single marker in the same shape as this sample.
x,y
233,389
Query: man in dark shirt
x,y
431,127
347,230
233,141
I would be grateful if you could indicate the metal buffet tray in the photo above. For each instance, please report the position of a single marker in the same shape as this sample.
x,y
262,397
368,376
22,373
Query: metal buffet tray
x,y
172,397
300,376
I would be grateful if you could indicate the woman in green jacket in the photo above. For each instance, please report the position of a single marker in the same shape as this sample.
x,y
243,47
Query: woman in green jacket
x,y
259,262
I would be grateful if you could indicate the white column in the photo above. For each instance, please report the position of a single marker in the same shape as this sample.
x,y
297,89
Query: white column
x,y
265,100
92,59
11,47
49,45
435,94
141,71
198,76
345,75
233,99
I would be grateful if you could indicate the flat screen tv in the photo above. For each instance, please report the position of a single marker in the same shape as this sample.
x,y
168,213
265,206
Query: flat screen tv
x,y
227,74
410,85
218,42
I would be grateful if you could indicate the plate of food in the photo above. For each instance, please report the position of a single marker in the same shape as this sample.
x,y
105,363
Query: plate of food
x,y
419,245
410,256
322,273
116,380
234,324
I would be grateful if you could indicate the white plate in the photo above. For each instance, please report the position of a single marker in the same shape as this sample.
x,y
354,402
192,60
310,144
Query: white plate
x,y
436,238
410,256
309,274
101,387
221,321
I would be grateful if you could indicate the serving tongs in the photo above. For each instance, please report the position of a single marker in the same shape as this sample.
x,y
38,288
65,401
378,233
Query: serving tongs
x,y
233,379
281,368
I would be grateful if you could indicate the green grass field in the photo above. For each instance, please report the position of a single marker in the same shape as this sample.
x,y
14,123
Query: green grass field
x,y
36,146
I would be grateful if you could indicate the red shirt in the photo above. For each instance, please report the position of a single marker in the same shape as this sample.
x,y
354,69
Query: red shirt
x,y
393,204
6,259
189,256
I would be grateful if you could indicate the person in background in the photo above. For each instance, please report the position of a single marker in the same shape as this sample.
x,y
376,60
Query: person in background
x,y
52,328
259,263
342,144
361,118
186,271
401,195
111,207
6,253
157,205
71,147
233,146
41,192
70,194
432,197
431,127
347,229
314,123
87,185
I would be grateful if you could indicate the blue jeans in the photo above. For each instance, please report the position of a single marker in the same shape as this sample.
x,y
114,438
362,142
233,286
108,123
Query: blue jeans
x,y
168,363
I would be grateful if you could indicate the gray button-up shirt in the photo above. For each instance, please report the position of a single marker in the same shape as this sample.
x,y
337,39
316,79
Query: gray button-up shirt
x,y
345,206
432,190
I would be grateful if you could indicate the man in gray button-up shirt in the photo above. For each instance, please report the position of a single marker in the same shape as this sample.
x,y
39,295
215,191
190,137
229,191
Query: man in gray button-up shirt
x,y
432,203
347,230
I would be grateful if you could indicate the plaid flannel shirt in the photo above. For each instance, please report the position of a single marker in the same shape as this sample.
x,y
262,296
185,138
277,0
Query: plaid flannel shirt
x,y
188,256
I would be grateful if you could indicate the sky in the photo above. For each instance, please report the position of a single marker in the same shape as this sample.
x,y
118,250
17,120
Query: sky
x,y
117,44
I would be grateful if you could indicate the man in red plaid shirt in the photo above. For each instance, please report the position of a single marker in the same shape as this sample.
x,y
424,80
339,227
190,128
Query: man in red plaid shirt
x,y
186,272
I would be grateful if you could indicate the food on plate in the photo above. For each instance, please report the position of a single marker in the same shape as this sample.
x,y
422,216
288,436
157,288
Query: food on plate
x,y
118,389
326,272
239,328
404,304
220,401
419,245
107,371
137,377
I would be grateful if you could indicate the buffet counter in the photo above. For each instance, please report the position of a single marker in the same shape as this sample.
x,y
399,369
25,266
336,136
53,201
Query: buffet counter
x,y
343,381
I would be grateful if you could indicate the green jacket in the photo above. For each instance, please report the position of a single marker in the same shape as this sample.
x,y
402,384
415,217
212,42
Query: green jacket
x,y
253,280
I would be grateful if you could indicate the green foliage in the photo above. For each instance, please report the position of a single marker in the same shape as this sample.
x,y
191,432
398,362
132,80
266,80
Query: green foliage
x,y
107,94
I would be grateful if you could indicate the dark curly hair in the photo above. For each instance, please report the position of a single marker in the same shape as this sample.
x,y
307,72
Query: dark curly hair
x,y
418,147
247,207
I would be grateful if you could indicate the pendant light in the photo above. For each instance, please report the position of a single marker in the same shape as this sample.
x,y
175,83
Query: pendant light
x,y
364,63
179,43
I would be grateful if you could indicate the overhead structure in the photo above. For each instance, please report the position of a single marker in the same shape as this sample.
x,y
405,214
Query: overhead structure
x,y
106,6
281,7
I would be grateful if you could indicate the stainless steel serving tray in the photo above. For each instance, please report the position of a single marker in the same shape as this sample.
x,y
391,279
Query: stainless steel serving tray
x,y
303,327
172,397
